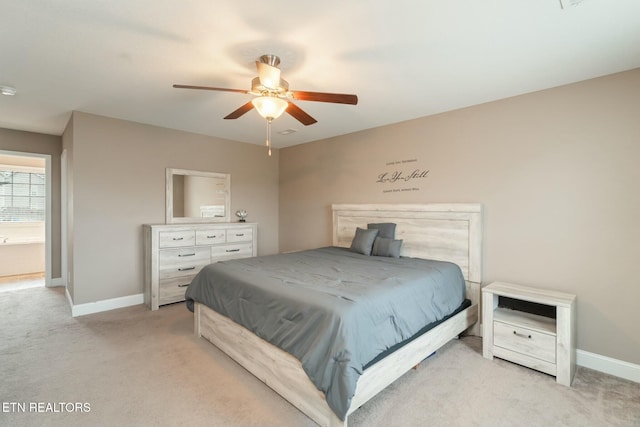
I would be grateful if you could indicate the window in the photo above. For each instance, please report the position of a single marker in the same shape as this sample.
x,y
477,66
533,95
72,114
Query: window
x,y
22,195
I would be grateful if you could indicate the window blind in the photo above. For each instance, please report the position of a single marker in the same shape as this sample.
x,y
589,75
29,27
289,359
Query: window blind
x,y
22,196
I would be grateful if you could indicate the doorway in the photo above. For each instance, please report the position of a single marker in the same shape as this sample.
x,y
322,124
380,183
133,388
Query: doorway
x,y
25,220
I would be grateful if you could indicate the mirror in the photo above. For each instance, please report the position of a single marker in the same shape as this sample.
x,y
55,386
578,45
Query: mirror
x,y
194,196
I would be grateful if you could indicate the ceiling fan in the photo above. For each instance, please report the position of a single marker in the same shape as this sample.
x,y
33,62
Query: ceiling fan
x,y
273,96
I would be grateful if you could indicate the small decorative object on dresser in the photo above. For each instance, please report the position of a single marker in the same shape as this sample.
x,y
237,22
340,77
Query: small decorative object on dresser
x,y
532,327
242,215
174,254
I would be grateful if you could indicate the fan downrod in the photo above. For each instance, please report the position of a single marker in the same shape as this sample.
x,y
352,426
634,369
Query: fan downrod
x,y
269,59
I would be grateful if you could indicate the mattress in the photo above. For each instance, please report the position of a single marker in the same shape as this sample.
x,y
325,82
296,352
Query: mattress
x,y
334,310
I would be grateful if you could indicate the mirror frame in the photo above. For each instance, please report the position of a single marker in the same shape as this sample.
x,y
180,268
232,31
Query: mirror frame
x,y
170,219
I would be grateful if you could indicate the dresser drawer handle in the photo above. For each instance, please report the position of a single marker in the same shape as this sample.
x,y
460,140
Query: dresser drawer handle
x,y
521,335
239,235
184,286
193,254
178,238
211,237
233,250
186,269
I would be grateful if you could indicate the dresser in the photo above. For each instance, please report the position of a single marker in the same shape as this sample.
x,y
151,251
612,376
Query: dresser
x,y
532,327
175,253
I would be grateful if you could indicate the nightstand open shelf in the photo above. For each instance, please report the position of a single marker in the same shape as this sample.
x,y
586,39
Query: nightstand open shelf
x,y
534,328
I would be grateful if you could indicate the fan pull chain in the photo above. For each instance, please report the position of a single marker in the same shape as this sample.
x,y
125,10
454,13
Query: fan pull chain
x,y
269,136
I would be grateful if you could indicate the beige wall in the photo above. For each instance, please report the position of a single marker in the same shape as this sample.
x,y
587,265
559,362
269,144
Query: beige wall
x,y
37,143
556,171
119,184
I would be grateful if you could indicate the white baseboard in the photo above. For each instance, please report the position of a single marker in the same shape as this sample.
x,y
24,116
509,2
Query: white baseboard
x,y
104,305
57,283
608,365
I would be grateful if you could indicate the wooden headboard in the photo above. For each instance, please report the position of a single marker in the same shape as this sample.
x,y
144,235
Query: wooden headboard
x,y
445,232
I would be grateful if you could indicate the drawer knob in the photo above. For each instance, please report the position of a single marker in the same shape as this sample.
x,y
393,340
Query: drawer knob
x,y
186,269
239,235
193,254
178,238
211,237
184,285
233,250
521,335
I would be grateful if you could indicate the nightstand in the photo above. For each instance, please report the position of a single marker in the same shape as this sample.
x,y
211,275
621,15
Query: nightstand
x,y
531,327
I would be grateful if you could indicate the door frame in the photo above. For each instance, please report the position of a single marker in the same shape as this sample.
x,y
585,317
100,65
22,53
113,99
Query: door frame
x,y
47,221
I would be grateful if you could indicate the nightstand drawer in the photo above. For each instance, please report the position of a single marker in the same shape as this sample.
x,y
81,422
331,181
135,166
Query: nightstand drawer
x,y
525,341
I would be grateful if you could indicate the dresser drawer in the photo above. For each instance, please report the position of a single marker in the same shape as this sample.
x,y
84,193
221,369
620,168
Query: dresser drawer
x,y
240,235
211,237
176,239
238,250
525,341
172,290
182,262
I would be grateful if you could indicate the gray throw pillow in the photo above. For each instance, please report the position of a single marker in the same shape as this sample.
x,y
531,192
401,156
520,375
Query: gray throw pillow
x,y
385,229
386,247
362,242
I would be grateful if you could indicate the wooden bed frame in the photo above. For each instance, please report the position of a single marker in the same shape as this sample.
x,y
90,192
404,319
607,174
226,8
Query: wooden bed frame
x,y
448,232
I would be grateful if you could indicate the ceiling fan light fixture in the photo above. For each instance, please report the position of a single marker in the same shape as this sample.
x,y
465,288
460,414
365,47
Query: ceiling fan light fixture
x,y
258,89
269,107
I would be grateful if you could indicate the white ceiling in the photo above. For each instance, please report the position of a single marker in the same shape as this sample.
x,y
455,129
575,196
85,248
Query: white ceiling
x,y
403,58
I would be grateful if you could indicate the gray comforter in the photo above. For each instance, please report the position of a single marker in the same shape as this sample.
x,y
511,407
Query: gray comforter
x,y
334,310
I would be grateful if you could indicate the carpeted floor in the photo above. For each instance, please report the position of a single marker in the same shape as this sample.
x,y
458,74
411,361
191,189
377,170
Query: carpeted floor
x,y
134,367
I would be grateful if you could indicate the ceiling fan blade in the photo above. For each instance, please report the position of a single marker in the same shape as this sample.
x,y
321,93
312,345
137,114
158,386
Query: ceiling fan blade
x,y
222,89
240,111
297,113
336,98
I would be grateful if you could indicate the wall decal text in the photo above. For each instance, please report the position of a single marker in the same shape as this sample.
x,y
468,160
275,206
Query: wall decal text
x,y
402,172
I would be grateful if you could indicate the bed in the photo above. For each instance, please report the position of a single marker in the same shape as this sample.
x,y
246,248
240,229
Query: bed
x,y
444,238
